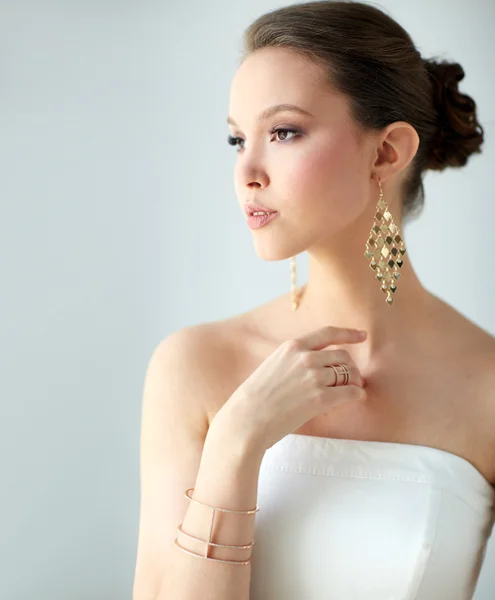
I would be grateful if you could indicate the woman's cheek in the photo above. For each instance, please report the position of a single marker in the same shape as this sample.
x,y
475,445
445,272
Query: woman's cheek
x,y
321,177
316,169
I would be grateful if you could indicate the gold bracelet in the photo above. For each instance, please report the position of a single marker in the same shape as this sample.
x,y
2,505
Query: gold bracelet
x,y
233,562
179,528
247,512
208,541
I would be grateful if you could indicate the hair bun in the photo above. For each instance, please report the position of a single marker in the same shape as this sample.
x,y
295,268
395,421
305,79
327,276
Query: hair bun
x,y
459,134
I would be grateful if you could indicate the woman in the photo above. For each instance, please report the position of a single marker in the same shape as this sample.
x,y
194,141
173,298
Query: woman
x,y
285,469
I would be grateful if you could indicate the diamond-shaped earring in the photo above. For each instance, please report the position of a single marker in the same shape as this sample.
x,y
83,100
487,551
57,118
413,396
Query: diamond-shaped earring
x,y
293,277
385,248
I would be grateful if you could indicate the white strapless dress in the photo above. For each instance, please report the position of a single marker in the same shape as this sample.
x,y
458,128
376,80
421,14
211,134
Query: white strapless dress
x,y
345,519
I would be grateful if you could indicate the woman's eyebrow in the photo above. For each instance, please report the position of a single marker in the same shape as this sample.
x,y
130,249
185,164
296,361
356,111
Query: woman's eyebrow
x,y
272,110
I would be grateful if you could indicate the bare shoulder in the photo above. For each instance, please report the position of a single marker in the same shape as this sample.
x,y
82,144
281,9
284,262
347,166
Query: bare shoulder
x,y
211,353
475,348
471,336
204,344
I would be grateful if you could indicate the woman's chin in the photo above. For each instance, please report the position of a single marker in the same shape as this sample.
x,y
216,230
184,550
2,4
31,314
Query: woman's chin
x,y
274,253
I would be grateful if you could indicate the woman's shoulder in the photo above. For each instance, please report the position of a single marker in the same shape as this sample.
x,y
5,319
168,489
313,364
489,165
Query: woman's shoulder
x,y
247,329
230,349
214,353
473,350
461,330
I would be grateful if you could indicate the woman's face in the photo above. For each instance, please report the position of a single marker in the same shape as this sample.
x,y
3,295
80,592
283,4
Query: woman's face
x,y
317,175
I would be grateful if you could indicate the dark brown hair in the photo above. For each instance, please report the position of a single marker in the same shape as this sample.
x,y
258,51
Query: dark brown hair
x,y
366,55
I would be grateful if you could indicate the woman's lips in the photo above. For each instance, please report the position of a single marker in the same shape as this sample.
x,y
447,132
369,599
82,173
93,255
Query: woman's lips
x,y
257,221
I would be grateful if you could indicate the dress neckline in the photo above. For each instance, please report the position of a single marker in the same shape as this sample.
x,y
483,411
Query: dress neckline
x,y
384,444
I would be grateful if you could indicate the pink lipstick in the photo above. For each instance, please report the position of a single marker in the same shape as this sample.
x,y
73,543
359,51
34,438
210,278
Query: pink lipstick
x,y
257,221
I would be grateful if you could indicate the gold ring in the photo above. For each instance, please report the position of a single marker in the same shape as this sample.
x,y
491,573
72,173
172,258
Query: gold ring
x,y
344,372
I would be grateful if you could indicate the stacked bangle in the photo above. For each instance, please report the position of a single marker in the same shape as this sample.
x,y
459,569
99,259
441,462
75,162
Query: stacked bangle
x,y
208,541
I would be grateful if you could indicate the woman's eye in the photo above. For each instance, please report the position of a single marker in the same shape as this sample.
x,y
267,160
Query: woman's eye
x,y
285,131
235,141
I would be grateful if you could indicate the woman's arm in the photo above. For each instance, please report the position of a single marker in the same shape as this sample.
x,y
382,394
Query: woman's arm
x,y
227,478
180,451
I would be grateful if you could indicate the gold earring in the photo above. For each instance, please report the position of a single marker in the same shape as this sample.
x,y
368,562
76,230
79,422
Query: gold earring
x,y
293,277
383,233
385,248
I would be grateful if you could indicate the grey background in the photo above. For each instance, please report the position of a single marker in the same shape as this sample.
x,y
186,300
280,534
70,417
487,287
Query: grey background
x,y
120,225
